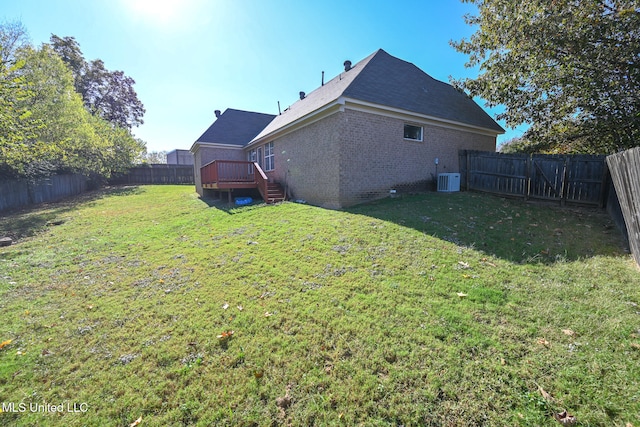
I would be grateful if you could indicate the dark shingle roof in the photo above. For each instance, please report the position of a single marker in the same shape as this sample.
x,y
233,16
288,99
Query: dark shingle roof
x,y
389,81
235,127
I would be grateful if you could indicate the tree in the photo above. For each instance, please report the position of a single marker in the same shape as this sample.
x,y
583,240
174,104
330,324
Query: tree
x,y
17,124
67,132
568,68
44,126
107,94
69,51
155,157
13,37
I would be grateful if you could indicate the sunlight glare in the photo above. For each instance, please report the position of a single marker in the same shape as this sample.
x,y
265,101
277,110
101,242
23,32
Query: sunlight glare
x,y
162,12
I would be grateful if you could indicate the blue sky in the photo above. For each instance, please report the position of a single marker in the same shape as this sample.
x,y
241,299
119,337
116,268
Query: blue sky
x,y
191,57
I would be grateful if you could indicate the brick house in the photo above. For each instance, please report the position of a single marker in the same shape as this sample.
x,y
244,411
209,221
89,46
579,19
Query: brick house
x,y
379,125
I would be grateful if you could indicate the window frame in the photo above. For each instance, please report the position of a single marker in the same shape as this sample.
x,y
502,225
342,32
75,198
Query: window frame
x,y
404,133
269,157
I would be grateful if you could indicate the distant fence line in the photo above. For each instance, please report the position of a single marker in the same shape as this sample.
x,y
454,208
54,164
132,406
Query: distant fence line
x,y
580,179
17,193
156,174
625,174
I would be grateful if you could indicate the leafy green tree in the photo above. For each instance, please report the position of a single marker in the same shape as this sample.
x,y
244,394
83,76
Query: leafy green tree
x,y
74,145
107,94
568,68
18,126
155,157
78,141
123,150
44,125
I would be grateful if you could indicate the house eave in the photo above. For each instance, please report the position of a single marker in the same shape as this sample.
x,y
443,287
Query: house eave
x,y
196,145
312,117
369,107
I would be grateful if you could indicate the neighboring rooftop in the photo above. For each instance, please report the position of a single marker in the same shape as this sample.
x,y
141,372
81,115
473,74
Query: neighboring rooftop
x,y
235,127
388,81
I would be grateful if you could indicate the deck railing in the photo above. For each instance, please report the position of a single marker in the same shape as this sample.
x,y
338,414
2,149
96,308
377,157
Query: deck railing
x,y
262,180
227,171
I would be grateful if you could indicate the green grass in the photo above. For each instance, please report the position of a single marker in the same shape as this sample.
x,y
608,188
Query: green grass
x,y
339,317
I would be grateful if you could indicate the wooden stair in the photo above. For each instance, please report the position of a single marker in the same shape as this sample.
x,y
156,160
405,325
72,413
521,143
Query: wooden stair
x,y
275,193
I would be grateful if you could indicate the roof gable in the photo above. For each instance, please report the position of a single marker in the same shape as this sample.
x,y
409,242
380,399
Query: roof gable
x,y
235,127
323,96
389,81
392,82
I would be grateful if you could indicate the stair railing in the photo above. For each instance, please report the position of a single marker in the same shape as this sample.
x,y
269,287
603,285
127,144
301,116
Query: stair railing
x,y
262,180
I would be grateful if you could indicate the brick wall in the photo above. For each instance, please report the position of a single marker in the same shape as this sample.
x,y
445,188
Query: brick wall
x,y
375,157
352,156
307,161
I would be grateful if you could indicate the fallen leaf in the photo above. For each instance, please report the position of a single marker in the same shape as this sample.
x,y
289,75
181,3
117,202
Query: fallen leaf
x,y
467,276
569,332
462,295
5,343
258,373
225,306
463,264
136,422
267,314
565,418
546,396
285,401
543,342
635,345
240,308
225,335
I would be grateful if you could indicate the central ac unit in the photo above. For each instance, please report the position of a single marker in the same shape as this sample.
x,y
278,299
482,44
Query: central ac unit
x,y
448,182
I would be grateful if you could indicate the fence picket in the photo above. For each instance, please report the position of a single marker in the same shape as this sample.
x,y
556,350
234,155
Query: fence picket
x,y
577,179
625,174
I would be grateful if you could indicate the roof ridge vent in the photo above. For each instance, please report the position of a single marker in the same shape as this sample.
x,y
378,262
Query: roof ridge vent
x,y
347,65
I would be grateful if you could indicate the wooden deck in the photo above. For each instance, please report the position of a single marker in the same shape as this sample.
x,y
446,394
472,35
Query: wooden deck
x,y
226,175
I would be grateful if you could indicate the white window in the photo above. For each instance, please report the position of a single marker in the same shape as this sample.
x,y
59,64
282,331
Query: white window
x,y
269,157
251,156
412,132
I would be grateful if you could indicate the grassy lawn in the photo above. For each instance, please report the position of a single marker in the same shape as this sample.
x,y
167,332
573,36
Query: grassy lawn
x,y
437,309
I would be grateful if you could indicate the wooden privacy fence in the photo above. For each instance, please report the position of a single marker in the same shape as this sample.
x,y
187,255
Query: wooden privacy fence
x,y
17,193
577,179
156,174
625,173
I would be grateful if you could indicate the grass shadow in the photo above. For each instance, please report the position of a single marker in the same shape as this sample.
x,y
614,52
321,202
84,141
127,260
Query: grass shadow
x,y
28,221
510,229
230,208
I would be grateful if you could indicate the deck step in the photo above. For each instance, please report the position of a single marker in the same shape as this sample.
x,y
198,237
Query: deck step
x,y
275,193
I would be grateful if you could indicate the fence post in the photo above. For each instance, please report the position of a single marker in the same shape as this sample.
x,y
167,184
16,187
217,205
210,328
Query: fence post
x,y
527,182
605,180
565,177
467,178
